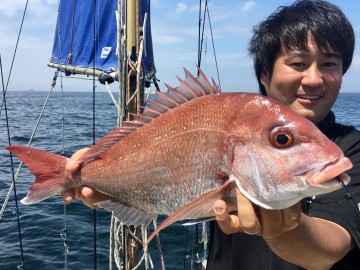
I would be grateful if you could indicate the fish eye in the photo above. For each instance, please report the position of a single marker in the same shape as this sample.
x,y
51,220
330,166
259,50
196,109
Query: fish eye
x,y
281,138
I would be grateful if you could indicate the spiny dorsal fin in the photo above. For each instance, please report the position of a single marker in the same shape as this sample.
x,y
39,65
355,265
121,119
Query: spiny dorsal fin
x,y
106,142
190,88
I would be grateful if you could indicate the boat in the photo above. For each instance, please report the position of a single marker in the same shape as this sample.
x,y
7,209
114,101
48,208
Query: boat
x,y
109,42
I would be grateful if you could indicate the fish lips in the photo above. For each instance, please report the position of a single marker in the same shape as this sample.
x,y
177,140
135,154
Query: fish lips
x,y
325,175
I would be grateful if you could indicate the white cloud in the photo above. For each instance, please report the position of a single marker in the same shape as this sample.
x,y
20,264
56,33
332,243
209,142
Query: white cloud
x,y
237,29
181,7
35,7
248,5
166,39
194,8
11,7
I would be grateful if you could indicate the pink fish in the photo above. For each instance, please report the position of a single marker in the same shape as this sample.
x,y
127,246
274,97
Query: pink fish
x,y
192,146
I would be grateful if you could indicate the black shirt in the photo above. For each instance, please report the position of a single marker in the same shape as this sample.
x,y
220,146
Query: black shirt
x,y
241,251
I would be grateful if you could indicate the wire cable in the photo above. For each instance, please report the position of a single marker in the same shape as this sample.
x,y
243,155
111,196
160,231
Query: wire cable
x,y
94,136
349,196
213,44
12,171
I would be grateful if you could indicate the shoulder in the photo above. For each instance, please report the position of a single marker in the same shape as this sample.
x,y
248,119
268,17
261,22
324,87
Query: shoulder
x,y
347,138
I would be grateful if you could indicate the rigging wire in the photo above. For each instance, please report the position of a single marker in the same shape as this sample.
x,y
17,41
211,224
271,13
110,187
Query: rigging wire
x,y
213,43
28,144
199,35
13,59
207,12
12,171
204,240
94,137
63,233
70,55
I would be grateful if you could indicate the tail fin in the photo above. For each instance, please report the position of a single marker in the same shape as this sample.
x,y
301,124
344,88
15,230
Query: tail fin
x,y
49,170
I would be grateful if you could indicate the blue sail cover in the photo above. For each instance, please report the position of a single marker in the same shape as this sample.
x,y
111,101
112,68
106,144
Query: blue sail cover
x,y
75,34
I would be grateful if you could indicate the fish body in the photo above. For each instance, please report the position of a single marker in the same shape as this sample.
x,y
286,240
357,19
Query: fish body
x,y
195,145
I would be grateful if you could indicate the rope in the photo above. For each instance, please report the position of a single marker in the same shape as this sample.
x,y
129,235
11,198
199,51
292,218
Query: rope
x,y
12,171
111,239
112,96
159,246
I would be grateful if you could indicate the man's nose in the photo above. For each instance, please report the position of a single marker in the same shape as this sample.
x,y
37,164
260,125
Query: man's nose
x,y
312,76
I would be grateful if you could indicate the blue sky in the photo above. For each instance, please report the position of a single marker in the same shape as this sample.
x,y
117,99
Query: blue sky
x,y
175,32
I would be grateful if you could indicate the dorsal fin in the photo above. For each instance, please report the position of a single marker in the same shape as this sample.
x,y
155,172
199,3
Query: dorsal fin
x,y
105,142
190,88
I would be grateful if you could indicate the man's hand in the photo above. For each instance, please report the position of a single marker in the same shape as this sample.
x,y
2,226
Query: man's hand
x,y
86,194
252,219
309,242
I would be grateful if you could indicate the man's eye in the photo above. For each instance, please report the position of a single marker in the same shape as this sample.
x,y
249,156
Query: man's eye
x,y
329,64
297,64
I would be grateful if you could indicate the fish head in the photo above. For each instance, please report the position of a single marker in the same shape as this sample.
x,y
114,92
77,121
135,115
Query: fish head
x,y
279,157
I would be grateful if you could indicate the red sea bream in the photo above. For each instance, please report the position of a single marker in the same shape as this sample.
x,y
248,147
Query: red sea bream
x,y
192,146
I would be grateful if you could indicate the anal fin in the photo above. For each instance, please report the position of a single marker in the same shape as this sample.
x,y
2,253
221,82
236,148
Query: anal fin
x,y
126,215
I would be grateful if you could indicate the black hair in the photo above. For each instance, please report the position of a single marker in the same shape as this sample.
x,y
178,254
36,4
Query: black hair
x,y
288,28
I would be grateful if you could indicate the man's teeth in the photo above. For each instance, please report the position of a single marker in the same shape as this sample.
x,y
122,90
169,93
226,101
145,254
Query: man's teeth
x,y
308,97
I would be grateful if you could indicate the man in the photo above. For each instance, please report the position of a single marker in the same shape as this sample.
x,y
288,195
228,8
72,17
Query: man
x,y
300,54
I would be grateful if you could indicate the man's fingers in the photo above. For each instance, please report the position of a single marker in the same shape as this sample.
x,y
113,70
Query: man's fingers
x,y
271,221
90,196
68,196
276,222
79,153
291,217
221,212
227,223
81,193
72,165
248,218
86,192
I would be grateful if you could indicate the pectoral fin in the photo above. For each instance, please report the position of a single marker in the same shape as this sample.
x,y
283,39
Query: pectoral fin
x,y
201,207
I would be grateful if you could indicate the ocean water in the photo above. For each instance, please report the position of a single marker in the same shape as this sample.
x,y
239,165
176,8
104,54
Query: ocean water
x,y
42,224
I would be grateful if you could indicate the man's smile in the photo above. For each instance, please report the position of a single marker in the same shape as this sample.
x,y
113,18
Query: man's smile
x,y
311,97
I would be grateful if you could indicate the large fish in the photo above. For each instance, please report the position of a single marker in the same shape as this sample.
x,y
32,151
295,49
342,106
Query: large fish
x,y
192,146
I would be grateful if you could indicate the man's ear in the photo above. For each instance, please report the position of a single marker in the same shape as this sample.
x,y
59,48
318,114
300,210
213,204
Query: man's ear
x,y
265,81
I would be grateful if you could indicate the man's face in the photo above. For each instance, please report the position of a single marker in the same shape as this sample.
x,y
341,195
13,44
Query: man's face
x,y
308,82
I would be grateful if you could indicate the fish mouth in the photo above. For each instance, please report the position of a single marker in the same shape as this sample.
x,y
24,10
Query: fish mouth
x,y
329,172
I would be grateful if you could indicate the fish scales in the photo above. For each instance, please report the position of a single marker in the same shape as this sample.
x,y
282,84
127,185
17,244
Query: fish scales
x,y
185,149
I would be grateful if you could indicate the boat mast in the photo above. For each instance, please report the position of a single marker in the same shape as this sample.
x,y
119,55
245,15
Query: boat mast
x,y
130,46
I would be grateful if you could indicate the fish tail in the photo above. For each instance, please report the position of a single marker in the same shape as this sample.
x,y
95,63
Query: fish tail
x,y
49,170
